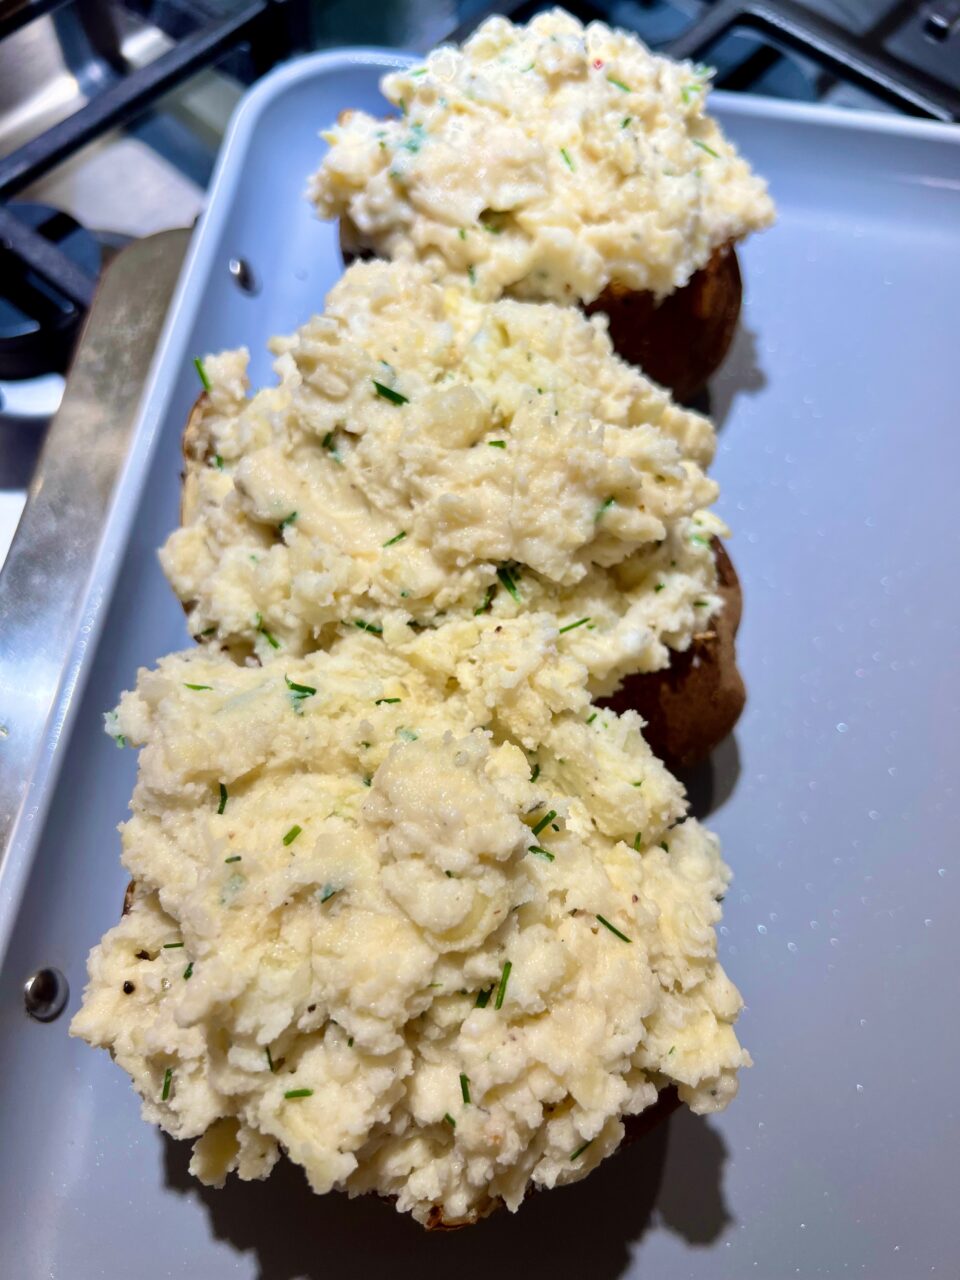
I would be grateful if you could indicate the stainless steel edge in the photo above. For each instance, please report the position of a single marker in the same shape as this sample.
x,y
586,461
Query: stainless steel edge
x,y
52,555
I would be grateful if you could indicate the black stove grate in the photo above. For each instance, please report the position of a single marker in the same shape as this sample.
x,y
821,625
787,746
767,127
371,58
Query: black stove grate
x,y
271,29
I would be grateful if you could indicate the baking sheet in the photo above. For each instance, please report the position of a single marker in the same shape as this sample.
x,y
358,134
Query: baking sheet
x,y
837,801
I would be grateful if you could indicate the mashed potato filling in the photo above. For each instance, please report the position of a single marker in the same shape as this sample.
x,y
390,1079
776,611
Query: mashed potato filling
x,y
547,161
425,457
422,918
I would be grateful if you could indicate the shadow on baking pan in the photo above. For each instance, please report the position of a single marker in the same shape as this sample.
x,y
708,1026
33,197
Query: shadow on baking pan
x,y
672,1179
711,784
739,375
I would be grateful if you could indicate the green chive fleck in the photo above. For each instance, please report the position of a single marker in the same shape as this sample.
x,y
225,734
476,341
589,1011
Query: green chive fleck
x,y
396,538
224,797
535,773
591,719
572,626
689,90
664,846
287,520
328,892
199,687
380,701
188,972
566,159
625,121
605,506
699,539
209,631
448,1119
483,998
497,444
544,822
575,1155
237,857
506,578
271,640
368,626
613,929
637,784
638,841
167,1077
292,834
659,586
218,462
624,88
472,273
487,599
270,1061
298,692
465,1088
171,946
299,1093
541,853
389,394
703,147
201,372
462,234
502,989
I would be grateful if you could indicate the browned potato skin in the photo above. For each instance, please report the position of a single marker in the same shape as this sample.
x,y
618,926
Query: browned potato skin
x,y
692,705
681,341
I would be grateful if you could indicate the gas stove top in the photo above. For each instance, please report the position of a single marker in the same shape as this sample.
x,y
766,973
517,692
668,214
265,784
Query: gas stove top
x,y
111,113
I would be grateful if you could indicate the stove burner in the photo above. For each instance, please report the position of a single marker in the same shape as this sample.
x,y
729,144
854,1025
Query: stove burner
x,y
38,323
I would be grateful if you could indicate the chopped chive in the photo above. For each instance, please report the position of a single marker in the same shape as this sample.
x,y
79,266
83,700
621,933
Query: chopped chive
x,y
367,779
488,226
420,71
448,1119
472,273
613,929
380,701
237,857
209,631
328,892
368,626
465,1088
638,841
672,1048
535,773
688,90
224,797
172,946
544,822
700,539
287,520
664,846
167,1077
188,972
591,719
701,604
397,538
703,147
218,462
271,640
462,234
605,506
659,586
572,626
625,121
298,692
541,853
299,1093
329,444
388,393
502,989
292,834
199,687
624,88
349,1042
506,578
483,998
497,444
566,159
201,372
575,1155
637,784
270,1061
408,735
487,599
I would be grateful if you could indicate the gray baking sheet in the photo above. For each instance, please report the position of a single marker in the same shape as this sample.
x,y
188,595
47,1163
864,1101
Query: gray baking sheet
x,y
837,802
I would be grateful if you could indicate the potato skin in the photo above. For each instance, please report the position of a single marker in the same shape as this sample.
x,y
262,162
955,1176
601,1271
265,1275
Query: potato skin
x,y
690,707
680,342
